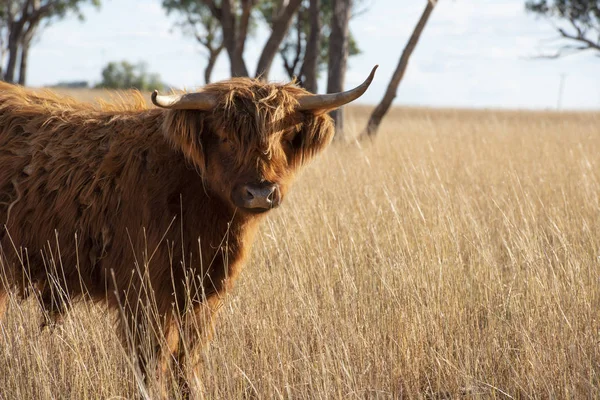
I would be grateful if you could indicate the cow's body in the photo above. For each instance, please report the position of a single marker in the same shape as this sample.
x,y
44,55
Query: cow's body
x,y
91,199
146,209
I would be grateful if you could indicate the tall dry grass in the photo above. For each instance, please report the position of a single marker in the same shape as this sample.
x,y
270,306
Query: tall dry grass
x,y
457,255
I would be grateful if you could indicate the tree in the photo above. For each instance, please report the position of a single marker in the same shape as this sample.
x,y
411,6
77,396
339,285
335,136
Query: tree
x,y
309,70
217,25
21,20
198,21
3,40
383,107
305,49
279,27
25,46
235,18
338,55
124,75
580,22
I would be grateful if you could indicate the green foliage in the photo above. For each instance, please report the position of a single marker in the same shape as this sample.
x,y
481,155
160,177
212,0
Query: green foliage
x,y
194,12
72,84
581,18
45,8
586,12
197,19
62,7
124,75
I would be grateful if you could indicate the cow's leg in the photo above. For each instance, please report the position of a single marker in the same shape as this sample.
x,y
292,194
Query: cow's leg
x,y
167,352
5,282
152,346
54,306
198,330
135,337
177,339
5,286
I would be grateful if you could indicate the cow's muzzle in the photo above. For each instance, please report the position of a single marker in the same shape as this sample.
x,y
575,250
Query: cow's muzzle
x,y
256,197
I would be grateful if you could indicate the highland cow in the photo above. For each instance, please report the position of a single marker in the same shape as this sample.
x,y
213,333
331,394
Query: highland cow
x,y
133,207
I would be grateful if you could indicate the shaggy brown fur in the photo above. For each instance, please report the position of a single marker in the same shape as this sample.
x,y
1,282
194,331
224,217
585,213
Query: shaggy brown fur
x,y
131,206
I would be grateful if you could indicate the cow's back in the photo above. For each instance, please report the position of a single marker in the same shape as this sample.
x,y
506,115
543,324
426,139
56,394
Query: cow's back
x,y
62,192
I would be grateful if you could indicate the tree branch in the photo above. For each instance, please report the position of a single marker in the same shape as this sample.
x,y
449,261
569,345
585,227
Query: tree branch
x,y
583,23
244,23
579,37
216,11
279,28
43,11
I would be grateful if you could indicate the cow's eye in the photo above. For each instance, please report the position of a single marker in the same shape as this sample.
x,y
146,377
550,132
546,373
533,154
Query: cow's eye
x,y
296,140
289,139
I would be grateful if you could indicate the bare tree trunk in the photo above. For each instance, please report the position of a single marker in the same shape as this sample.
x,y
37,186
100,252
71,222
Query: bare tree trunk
x,y
291,66
279,28
242,33
13,54
311,56
25,45
208,70
23,65
338,56
20,35
234,37
3,48
231,40
30,13
390,94
3,53
212,60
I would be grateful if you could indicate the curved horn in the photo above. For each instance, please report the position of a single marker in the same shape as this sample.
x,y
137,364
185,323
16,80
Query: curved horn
x,y
334,100
186,101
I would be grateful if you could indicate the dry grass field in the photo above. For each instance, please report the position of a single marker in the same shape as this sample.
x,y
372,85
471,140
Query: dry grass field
x,y
457,256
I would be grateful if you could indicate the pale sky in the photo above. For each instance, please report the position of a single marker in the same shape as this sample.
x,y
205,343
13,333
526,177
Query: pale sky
x,y
473,53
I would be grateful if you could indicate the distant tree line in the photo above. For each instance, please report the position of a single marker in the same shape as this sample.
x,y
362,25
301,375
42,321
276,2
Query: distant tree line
x,y
72,84
124,75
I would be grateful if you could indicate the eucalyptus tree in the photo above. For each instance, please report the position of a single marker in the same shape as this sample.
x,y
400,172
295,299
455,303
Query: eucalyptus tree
x,y
227,24
21,20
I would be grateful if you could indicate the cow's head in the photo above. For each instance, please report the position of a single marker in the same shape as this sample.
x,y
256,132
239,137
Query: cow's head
x,y
248,137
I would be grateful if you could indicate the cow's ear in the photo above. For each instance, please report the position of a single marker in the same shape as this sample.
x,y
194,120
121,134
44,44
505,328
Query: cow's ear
x,y
183,129
317,133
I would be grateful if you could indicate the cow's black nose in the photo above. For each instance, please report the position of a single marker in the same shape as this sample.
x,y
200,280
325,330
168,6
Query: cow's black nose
x,y
256,197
